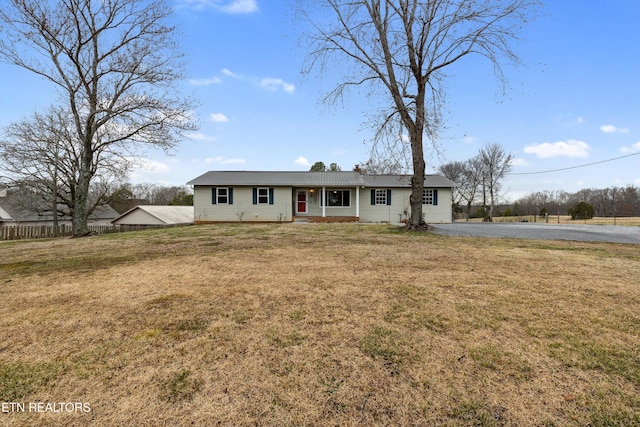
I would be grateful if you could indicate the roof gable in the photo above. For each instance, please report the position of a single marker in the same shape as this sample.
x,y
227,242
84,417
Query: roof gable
x,y
4,215
166,214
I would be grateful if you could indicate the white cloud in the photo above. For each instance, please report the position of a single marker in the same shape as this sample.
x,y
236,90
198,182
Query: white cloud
x,y
205,82
147,169
633,149
613,129
218,118
240,6
579,120
274,84
228,6
303,161
469,139
228,72
198,136
223,160
570,148
152,166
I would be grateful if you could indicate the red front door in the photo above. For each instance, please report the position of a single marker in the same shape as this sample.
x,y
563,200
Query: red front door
x,y
302,201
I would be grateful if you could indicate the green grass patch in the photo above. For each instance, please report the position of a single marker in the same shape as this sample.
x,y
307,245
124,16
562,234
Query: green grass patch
x,y
180,387
498,359
381,343
282,340
589,354
20,379
474,412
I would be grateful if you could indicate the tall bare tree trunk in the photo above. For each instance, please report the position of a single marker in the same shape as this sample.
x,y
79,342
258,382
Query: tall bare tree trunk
x,y
417,180
80,216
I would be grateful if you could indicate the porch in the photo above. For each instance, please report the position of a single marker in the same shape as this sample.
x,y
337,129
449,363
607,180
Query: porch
x,y
326,204
326,219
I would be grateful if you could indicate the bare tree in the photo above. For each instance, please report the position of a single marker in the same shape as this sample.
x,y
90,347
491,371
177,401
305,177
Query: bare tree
x,y
468,178
496,164
114,64
42,155
403,48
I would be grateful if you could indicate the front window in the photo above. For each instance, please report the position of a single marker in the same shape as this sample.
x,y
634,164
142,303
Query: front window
x,y
427,197
263,196
338,198
222,196
380,197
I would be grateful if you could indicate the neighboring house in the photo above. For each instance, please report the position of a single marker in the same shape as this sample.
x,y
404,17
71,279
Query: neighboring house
x,y
151,215
13,213
232,196
5,218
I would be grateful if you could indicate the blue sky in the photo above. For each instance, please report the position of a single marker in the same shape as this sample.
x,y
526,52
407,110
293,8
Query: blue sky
x,y
574,100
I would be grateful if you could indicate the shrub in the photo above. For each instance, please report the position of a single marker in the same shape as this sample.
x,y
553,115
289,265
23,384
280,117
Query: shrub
x,y
582,210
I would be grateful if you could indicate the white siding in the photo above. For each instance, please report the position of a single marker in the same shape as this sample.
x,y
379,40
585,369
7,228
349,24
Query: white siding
x,y
383,213
242,207
138,217
440,213
283,205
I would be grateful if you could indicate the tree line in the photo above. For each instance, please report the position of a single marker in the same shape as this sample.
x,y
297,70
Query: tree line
x,y
479,182
606,202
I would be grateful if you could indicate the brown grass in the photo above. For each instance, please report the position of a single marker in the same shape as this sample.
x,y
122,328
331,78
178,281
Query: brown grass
x,y
314,324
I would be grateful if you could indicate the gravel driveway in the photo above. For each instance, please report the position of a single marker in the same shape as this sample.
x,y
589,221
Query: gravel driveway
x,y
586,233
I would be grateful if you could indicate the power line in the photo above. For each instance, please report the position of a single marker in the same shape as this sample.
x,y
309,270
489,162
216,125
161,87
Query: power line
x,y
575,167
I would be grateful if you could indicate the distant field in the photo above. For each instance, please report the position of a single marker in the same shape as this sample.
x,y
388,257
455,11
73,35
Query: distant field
x,y
318,324
566,219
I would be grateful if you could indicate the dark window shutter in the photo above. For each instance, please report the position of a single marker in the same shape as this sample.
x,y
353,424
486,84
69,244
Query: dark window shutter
x,y
230,196
373,197
435,197
214,196
255,196
389,197
270,196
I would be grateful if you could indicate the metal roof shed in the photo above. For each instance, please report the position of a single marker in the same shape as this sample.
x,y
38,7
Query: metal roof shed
x,y
156,215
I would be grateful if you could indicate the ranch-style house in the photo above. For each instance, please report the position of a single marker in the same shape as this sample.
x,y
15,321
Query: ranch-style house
x,y
263,196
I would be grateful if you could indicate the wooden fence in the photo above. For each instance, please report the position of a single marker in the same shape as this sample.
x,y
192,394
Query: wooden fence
x,y
17,232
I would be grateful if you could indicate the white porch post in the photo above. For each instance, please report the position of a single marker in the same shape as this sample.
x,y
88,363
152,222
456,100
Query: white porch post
x,y
358,202
324,202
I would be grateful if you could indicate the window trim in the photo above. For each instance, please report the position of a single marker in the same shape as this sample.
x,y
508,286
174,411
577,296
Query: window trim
x,y
262,199
433,197
380,197
220,196
216,195
342,190
269,195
